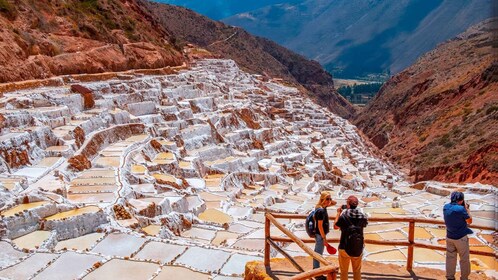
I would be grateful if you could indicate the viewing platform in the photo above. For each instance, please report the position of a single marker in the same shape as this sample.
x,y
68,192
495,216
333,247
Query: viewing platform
x,y
281,268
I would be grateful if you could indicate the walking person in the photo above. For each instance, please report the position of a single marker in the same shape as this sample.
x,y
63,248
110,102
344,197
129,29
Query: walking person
x,y
351,221
457,218
322,225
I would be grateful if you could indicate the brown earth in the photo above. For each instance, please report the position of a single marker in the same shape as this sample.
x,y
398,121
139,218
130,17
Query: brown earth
x,y
252,53
86,93
439,117
45,38
282,269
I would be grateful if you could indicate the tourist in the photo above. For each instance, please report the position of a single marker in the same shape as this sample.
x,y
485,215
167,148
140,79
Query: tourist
x,y
351,221
457,218
322,225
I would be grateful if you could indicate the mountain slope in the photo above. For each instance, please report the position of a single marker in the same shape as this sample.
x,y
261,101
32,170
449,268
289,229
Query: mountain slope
x,y
439,117
257,55
356,37
43,38
218,9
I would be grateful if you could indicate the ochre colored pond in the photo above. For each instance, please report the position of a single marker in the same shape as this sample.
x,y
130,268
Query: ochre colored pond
x,y
32,240
22,207
215,216
74,212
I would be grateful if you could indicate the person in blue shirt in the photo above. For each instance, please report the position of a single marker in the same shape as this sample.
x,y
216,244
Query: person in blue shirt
x,y
457,218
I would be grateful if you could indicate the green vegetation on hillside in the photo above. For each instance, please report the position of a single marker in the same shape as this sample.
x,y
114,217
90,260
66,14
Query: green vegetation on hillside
x,y
360,94
7,9
96,18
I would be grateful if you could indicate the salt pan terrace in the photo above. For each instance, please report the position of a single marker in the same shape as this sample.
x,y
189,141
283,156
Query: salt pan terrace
x,y
160,176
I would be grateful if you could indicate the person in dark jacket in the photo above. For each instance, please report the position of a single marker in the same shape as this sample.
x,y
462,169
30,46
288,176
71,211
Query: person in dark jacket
x,y
344,218
457,218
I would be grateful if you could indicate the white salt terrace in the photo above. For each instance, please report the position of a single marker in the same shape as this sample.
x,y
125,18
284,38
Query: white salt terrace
x,y
196,180
22,207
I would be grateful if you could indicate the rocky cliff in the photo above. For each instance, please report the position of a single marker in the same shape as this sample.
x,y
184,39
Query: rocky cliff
x,y
254,54
439,117
44,38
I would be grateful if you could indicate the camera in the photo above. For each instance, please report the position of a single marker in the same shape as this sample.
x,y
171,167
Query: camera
x,y
344,207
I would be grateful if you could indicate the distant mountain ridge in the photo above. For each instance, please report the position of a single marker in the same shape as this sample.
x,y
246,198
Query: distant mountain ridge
x,y
252,53
356,37
219,9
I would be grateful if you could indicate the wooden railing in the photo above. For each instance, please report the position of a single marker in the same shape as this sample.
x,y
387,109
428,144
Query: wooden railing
x,y
411,244
328,269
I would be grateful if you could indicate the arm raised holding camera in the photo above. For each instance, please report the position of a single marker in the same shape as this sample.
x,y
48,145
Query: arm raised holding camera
x,y
339,211
467,207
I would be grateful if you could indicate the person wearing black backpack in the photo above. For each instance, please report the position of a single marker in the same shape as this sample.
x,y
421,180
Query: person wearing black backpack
x,y
322,225
351,221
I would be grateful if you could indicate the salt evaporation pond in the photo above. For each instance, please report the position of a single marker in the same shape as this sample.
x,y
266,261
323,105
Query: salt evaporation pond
x,y
165,169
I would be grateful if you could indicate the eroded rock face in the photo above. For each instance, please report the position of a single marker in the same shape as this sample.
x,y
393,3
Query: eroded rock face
x,y
40,42
79,162
437,117
87,95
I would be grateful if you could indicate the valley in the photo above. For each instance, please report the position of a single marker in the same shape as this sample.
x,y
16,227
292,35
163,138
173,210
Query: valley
x,y
145,173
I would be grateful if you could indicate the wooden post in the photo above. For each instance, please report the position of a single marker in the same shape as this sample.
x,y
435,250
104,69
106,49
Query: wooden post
x,y
329,270
287,256
411,239
267,243
332,276
298,241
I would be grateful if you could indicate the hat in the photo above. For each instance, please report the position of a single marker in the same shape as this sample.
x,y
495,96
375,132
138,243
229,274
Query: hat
x,y
331,249
456,196
353,200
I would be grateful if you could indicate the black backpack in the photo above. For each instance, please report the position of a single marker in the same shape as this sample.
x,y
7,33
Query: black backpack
x,y
354,242
310,224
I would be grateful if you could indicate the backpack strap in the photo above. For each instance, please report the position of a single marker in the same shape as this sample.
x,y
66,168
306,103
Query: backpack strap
x,y
347,219
314,219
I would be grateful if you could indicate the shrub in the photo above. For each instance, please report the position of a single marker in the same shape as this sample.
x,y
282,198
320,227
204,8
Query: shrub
x,y
8,9
492,109
445,141
466,112
493,167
